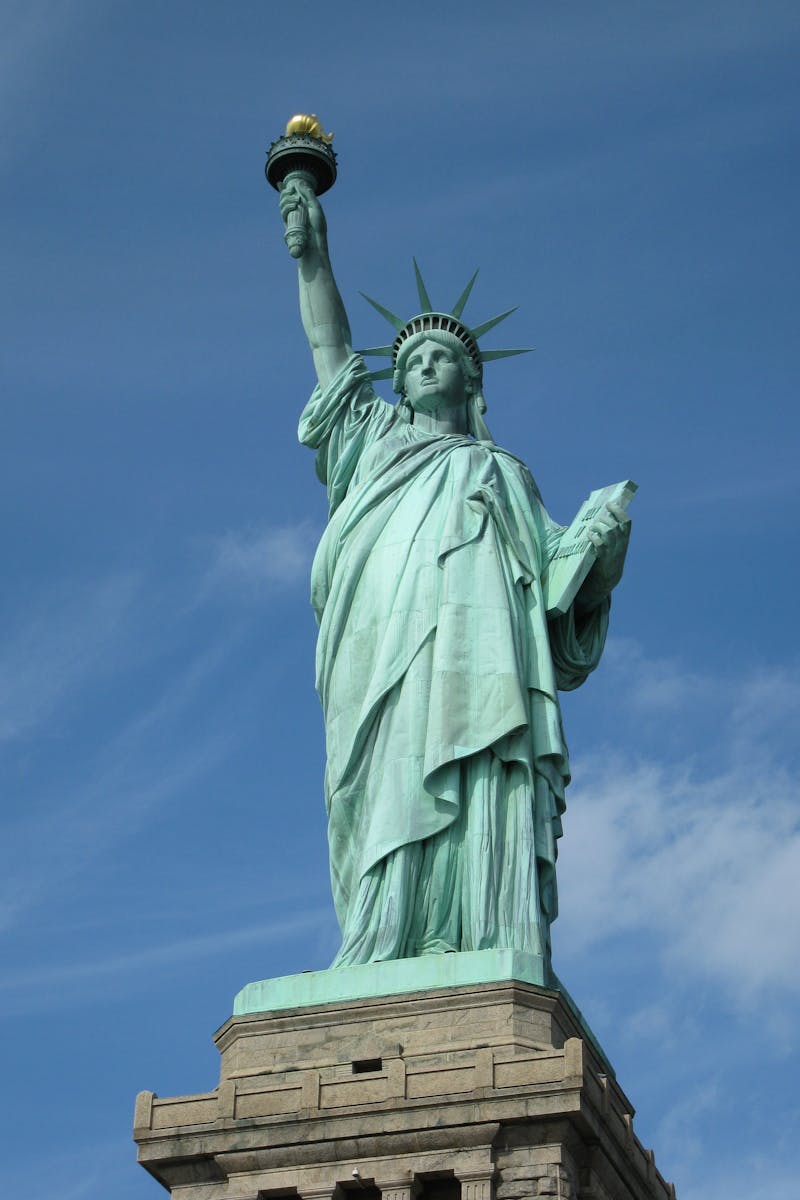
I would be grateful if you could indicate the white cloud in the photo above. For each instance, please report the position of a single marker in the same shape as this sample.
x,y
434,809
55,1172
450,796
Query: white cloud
x,y
254,559
657,684
705,864
767,710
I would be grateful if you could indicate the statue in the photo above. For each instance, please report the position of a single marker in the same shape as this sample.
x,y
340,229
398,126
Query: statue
x,y
438,664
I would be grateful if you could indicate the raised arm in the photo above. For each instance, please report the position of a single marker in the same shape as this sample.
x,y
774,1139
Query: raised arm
x,y
321,308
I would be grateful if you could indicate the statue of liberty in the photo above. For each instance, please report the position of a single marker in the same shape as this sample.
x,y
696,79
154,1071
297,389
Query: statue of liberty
x,y
438,666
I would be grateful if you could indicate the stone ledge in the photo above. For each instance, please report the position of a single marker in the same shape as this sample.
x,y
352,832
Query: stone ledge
x,y
387,983
446,1077
393,978
399,1083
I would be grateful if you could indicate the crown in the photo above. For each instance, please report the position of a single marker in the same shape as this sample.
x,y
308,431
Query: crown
x,y
429,319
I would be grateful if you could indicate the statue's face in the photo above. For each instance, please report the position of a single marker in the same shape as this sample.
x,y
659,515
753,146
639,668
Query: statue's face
x,y
434,378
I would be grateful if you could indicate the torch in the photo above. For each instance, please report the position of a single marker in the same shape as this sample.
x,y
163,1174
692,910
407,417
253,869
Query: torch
x,y
303,153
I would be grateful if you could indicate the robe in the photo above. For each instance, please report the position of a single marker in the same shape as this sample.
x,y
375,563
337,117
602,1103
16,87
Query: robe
x,y
438,673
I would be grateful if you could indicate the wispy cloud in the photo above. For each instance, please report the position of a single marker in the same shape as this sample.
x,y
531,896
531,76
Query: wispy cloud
x,y
771,1175
86,1170
161,957
705,863
32,34
67,639
80,631
150,760
149,748
680,1129
658,684
258,558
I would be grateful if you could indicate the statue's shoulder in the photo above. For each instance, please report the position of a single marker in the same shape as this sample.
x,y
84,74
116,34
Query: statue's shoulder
x,y
511,463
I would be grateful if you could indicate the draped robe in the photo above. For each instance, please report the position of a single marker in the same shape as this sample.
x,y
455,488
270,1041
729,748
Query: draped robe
x,y
438,673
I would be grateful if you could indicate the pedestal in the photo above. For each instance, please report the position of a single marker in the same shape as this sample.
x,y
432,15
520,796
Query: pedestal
x,y
479,1091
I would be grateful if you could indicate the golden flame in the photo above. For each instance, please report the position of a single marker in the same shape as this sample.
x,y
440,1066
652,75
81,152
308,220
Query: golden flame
x,y
308,123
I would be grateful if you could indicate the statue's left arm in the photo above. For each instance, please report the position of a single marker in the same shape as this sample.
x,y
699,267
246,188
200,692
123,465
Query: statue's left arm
x,y
610,534
577,638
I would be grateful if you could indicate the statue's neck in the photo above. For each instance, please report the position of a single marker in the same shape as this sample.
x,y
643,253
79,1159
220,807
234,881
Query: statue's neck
x,y
442,421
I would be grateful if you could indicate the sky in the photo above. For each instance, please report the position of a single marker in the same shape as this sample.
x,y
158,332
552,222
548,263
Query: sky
x,y
627,174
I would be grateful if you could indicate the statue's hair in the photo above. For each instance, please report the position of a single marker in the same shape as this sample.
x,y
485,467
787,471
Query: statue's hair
x,y
476,405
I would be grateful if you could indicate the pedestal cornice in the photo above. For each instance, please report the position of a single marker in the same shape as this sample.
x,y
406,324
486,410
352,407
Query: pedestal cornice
x,y
439,1082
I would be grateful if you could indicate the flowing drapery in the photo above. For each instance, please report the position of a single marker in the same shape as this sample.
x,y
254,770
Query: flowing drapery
x,y
438,673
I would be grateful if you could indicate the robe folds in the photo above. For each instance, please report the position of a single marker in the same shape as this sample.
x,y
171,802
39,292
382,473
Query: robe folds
x,y
438,673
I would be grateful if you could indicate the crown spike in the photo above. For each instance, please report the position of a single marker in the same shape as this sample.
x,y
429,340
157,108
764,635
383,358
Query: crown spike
x,y
386,373
391,317
377,351
493,355
460,303
422,291
480,330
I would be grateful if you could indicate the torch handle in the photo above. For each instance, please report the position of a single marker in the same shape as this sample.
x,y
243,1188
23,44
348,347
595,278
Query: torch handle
x,y
296,235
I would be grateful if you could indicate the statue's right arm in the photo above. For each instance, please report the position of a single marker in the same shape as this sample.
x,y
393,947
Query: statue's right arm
x,y
321,308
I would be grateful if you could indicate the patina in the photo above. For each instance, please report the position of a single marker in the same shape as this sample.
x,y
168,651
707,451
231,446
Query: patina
x,y
438,665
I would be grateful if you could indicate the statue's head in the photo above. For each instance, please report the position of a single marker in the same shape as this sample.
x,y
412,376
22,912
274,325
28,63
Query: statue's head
x,y
435,366
450,349
447,331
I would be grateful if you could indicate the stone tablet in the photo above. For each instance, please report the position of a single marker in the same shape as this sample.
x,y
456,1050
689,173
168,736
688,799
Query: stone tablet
x,y
576,555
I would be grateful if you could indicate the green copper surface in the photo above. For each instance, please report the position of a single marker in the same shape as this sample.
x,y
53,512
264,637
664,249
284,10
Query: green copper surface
x,y
391,978
438,662
430,318
461,302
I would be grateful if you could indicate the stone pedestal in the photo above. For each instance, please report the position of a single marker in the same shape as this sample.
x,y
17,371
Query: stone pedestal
x,y
487,1091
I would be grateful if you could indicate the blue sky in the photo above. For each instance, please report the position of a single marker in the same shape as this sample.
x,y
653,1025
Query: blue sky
x,y
627,174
